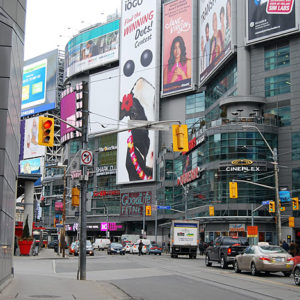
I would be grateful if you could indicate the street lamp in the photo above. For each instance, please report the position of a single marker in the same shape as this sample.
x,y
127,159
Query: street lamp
x,y
276,170
185,193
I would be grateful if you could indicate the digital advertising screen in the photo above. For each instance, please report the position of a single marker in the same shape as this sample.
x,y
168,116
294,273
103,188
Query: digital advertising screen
x,y
215,29
139,81
32,166
31,147
92,48
270,18
177,46
39,88
104,101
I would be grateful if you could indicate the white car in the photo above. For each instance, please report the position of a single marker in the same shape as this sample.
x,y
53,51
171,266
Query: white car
x,y
101,244
135,248
128,246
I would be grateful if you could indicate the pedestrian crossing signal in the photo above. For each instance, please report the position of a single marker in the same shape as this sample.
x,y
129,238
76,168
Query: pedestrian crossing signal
x,y
211,210
75,196
148,210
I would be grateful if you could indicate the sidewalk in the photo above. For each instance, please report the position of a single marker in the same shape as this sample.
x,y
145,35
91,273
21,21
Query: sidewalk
x,y
35,279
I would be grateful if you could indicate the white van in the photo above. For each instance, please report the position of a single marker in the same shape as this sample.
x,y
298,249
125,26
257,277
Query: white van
x,y
101,244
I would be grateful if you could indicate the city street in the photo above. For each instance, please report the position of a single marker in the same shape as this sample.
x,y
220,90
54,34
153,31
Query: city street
x,y
146,277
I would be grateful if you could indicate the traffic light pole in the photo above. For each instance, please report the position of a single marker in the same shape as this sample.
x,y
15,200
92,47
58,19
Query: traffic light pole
x,y
84,179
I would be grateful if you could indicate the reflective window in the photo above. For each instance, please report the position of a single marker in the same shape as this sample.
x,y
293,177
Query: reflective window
x,y
296,146
276,85
283,113
277,58
74,146
195,103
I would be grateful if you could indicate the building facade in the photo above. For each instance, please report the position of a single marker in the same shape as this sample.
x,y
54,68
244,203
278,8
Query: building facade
x,y
12,23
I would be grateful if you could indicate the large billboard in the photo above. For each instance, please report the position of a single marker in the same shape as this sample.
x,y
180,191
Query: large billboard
x,y
71,112
39,88
32,166
31,146
132,204
215,29
139,79
269,18
177,46
104,101
92,48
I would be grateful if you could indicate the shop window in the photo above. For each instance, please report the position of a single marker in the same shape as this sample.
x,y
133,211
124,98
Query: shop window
x,y
276,85
277,58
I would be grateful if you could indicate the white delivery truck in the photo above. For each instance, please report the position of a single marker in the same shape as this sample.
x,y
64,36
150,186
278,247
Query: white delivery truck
x,y
184,238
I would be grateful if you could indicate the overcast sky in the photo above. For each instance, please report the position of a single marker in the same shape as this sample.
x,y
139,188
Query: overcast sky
x,y
50,24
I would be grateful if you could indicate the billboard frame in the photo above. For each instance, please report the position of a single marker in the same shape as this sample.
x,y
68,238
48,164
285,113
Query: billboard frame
x,y
194,47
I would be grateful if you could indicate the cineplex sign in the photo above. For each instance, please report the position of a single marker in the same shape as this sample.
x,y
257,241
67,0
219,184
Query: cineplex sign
x,y
243,165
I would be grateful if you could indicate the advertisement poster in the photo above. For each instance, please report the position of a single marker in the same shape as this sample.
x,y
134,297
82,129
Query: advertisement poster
x,y
39,88
215,34
132,204
267,18
32,166
67,113
31,147
92,48
177,46
139,67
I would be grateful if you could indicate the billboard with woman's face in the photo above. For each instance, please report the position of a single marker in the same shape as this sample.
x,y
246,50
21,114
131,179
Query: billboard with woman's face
x,y
215,35
177,46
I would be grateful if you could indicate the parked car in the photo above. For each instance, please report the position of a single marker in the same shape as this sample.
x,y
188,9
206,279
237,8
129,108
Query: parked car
x,y
154,249
224,250
101,244
73,247
115,248
128,247
266,258
89,249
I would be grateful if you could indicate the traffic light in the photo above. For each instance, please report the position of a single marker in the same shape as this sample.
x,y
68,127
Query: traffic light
x,y
272,207
211,210
46,131
295,202
75,196
148,210
233,190
180,138
291,222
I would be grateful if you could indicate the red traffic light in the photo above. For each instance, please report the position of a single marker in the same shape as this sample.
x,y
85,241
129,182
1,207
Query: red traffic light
x,y
47,124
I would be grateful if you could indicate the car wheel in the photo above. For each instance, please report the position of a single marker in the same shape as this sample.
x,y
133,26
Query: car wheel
x,y
159,253
254,271
297,276
207,261
223,262
236,267
287,274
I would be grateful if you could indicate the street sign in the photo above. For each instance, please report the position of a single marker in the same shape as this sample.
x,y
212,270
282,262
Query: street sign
x,y
59,225
285,196
265,203
86,158
252,231
163,207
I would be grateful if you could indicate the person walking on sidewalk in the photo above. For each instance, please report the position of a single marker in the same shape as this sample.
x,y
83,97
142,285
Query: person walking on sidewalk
x,y
140,247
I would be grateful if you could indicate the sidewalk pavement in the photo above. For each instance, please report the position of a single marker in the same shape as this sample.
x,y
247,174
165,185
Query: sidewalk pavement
x,y
35,279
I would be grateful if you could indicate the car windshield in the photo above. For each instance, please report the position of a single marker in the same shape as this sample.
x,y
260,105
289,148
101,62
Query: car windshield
x,y
116,245
272,249
88,243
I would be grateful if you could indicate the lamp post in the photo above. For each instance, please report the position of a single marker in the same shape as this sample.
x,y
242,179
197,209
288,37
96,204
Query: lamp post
x,y
276,170
185,193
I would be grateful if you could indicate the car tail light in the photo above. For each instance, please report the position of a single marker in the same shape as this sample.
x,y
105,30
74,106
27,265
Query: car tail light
x,y
264,258
229,251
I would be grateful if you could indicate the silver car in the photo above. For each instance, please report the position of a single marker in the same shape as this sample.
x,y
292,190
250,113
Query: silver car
x,y
266,258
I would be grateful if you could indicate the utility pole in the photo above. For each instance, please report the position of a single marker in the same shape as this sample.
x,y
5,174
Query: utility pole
x,y
144,218
64,214
84,179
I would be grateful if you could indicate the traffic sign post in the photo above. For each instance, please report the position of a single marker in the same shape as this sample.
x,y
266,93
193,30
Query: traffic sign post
x,y
265,202
163,207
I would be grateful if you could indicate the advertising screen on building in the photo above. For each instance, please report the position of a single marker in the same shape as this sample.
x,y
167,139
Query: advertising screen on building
x,y
177,46
31,147
215,35
269,18
133,203
104,101
92,48
68,113
139,79
39,84
32,166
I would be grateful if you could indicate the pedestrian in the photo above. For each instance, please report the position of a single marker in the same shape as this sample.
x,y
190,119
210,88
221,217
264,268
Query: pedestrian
x,y
140,247
201,248
285,246
293,248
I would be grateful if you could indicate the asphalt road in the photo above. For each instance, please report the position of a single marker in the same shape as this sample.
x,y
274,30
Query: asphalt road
x,y
161,277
